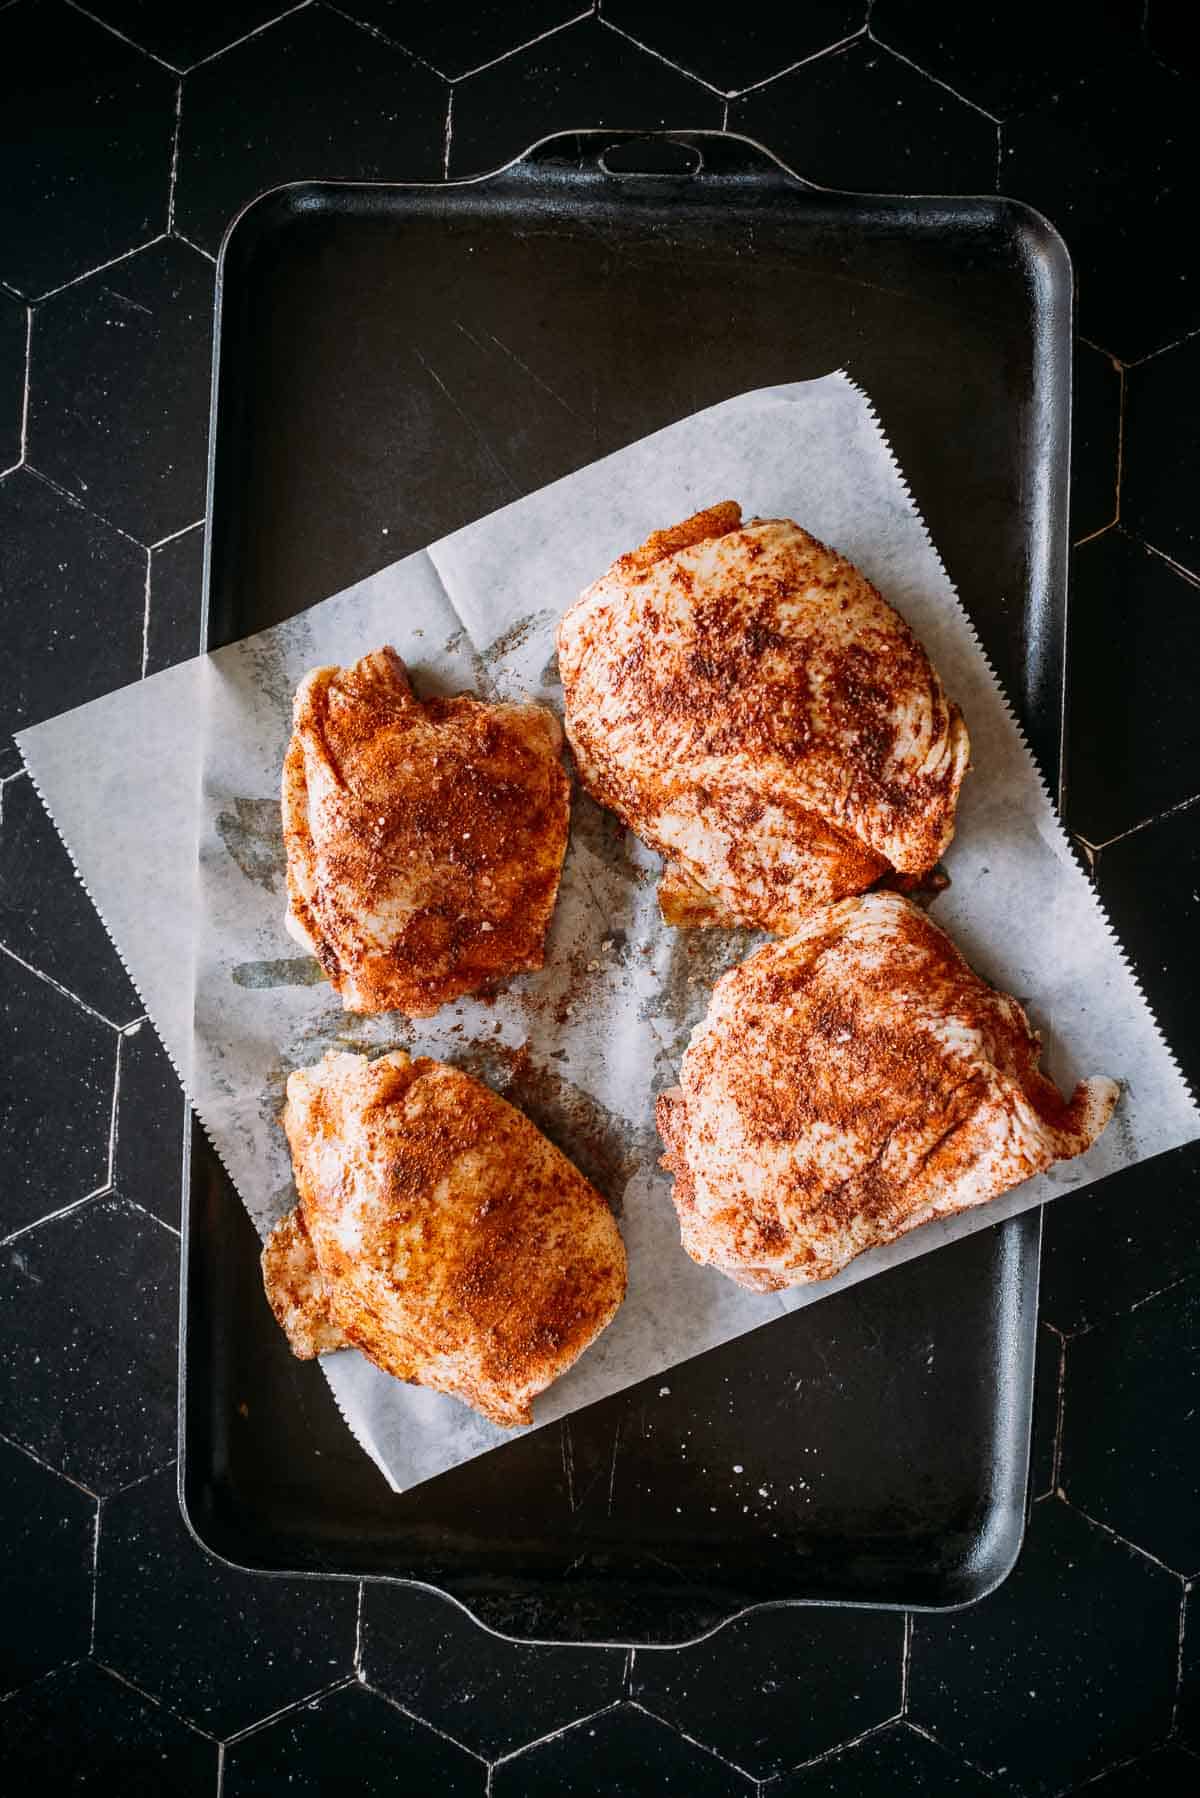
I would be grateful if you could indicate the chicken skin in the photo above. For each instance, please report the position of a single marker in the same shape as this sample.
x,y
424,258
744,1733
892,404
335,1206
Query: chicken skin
x,y
425,839
752,708
439,1232
849,1083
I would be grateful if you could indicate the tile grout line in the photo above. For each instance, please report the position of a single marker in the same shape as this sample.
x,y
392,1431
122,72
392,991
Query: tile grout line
x,y
414,1717
146,619
1180,568
208,256
376,31
174,536
905,1661
53,1216
736,1766
158,1703
1152,355
1124,390
563,25
936,79
1184,1607
956,1753
551,1735
60,988
999,154
247,35
124,37
294,1704
74,500
358,1635
1059,1411
113,261
95,1575
28,379
1116,1535
1172,811
841,1747
742,93
40,1461
174,169
220,1769
112,1117
448,134
649,50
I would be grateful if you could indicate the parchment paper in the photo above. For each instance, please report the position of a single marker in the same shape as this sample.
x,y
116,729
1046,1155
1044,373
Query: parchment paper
x,y
585,1045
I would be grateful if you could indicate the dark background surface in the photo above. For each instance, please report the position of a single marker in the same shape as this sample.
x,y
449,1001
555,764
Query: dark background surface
x,y
127,139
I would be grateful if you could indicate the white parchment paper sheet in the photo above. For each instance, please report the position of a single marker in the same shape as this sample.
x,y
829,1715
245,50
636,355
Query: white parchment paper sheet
x,y
587,1043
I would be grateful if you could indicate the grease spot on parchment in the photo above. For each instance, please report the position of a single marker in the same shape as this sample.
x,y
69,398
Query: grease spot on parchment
x,y
604,1146
517,634
252,833
303,970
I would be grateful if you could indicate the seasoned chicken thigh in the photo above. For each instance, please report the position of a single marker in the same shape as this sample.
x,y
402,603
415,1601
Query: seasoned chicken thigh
x,y
750,706
425,839
849,1083
439,1232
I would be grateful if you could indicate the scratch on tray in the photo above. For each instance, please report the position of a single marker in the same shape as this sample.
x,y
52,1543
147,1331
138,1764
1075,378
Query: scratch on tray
x,y
524,367
568,1460
126,301
612,1468
474,429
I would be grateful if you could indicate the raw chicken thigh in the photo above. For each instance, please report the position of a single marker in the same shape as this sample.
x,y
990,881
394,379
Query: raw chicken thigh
x,y
752,708
849,1083
425,839
439,1232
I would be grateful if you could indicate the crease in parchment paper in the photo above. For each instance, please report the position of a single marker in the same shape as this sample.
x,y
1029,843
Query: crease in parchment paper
x,y
489,597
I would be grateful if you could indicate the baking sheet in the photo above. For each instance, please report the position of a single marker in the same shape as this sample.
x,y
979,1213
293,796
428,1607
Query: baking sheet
x,y
479,610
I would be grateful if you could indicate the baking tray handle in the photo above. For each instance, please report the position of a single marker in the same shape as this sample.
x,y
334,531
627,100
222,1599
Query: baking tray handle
x,y
661,157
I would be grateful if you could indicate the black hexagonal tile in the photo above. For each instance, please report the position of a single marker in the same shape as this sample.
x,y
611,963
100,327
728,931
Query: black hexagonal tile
x,y
46,916
187,30
75,595
118,410
14,322
87,145
1162,863
1044,1437
148,1151
862,119
1105,160
88,1343
46,1547
84,1731
176,591
1131,1435
60,1066
1068,1668
622,1751
221,1648
1095,441
777,1687
1167,1773
1110,1246
455,41
583,75
315,96
897,1761
736,49
1162,449
1187,1717
1129,601
490,1694
313,1750
1171,33
987,51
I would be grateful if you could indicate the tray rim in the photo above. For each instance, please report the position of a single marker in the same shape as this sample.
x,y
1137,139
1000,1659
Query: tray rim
x,y
1056,563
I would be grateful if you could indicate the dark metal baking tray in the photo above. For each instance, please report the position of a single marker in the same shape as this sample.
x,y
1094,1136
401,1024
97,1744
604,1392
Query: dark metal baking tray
x,y
393,361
